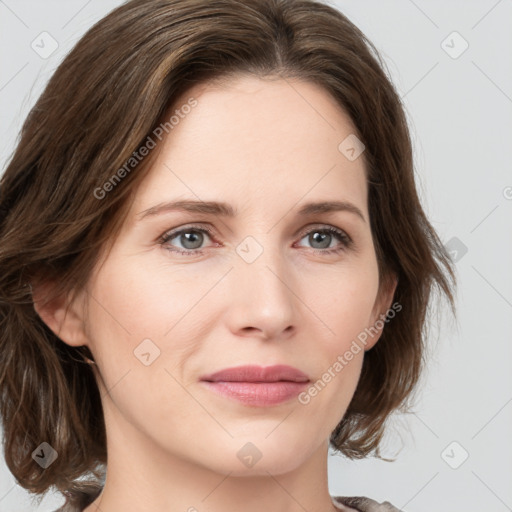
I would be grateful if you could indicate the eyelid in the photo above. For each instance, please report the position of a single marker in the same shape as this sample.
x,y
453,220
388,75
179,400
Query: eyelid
x,y
323,227
172,233
303,231
187,227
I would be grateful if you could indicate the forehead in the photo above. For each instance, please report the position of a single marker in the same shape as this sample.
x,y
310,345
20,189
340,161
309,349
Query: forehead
x,y
255,143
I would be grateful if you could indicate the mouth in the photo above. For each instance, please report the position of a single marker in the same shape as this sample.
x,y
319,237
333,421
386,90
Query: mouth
x,y
258,386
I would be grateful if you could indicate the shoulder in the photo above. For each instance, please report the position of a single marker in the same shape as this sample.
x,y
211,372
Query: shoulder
x,y
363,504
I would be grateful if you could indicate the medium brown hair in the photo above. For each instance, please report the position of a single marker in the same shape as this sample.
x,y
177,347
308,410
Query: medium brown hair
x,y
107,96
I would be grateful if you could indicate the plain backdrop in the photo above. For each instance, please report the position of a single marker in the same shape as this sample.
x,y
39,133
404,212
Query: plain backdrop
x,y
450,61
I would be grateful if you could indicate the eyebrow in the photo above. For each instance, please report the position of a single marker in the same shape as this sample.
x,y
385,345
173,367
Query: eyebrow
x,y
225,210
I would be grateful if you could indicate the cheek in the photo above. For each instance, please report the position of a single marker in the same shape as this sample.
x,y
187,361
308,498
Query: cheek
x,y
134,317
134,301
343,300
143,319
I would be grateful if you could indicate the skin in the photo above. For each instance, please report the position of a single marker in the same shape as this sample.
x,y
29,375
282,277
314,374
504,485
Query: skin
x,y
266,148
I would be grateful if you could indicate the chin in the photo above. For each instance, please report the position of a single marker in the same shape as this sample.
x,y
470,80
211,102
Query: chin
x,y
252,456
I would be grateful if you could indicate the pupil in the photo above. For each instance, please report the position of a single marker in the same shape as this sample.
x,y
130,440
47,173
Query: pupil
x,y
322,237
189,237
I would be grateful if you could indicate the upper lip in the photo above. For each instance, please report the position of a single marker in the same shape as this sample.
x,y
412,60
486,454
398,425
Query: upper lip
x,y
251,373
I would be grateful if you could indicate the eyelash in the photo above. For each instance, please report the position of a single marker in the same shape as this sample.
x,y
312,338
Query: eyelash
x,y
346,241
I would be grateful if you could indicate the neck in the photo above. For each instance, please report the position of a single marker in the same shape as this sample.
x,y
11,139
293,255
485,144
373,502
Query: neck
x,y
142,476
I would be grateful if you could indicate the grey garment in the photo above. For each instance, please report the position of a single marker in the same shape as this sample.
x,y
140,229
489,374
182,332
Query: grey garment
x,y
82,500
357,503
363,504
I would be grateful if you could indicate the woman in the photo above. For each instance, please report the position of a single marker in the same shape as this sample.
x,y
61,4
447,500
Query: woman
x,y
163,303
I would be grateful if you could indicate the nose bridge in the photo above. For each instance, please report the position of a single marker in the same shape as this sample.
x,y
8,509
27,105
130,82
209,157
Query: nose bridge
x,y
262,282
261,257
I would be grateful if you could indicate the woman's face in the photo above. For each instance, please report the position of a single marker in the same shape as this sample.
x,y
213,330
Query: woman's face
x,y
265,286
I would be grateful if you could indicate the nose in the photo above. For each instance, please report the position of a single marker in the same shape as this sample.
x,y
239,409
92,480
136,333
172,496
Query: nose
x,y
262,299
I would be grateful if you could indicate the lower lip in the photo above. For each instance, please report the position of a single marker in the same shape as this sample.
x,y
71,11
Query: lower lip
x,y
260,394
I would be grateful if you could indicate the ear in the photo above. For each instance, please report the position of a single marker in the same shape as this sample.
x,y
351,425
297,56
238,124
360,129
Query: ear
x,y
381,307
63,315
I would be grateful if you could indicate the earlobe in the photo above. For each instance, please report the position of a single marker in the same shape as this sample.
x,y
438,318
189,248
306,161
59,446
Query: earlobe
x,y
381,307
63,315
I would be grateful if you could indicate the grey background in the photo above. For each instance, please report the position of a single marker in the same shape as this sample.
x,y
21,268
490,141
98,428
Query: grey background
x,y
460,115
